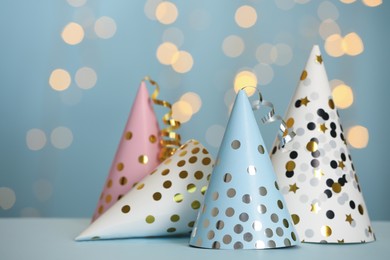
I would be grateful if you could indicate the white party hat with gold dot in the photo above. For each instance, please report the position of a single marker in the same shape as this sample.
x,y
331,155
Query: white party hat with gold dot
x,y
163,203
316,175
243,207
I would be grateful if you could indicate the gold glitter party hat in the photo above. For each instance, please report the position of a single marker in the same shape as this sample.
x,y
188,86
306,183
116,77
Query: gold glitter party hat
x,y
316,175
163,203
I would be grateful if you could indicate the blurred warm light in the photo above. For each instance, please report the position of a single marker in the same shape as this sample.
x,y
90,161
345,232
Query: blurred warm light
x,y
334,45
72,33
327,10
193,99
182,111
335,82
182,62
233,46
358,136
328,27
85,78
59,79
342,96
61,137
372,3
353,44
245,79
76,3
347,1
150,8
245,16
166,52
105,27
166,12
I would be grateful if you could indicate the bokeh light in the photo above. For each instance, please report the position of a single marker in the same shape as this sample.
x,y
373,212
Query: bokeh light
x,y
76,3
233,46
193,100
85,78
61,137
165,53
328,27
285,4
7,198
166,12
358,136
35,139
334,45
327,10
214,135
173,35
281,54
245,16
105,27
59,79
264,73
372,3
264,53
150,8
182,111
342,96
245,78
72,33
347,1
353,44
182,62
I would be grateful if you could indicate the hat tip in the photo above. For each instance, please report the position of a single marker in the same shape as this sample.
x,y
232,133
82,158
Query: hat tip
x,y
316,49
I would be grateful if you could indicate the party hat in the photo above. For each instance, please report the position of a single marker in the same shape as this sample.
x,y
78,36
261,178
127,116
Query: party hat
x,y
163,203
243,208
316,175
137,154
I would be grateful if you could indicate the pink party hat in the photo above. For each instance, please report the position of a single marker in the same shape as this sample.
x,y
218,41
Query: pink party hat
x,y
316,175
163,203
243,207
137,154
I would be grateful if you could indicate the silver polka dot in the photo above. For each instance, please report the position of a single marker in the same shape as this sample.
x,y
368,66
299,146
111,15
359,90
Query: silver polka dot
x,y
214,212
238,229
227,177
206,223
248,237
279,231
257,226
259,244
333,144
244,217
309,233
307,82
219,224
262,209
263,191
215,195
251,170
325,159
274,218
210,234
227,239
296,145
304,167
271,243
268,232
287,242
322,138
238,245
300,131
236,144
260,148
323,197
303,198
231,193
229,212
327,147
314,96
246,198
314,182
216,245
301,177
309,116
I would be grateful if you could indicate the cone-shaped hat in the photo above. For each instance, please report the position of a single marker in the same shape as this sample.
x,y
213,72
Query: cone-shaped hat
x,y
137,153
243,208
163,203
317,176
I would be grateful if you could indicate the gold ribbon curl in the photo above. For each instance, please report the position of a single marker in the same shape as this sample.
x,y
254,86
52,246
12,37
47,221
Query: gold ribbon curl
x,y
170,140
285,134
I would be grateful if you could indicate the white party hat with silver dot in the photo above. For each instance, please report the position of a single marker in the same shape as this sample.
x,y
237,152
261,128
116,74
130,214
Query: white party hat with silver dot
x,y
163,203
316,175
243,207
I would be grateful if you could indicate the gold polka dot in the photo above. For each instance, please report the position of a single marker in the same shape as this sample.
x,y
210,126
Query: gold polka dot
x,y
143,159
326,231
181,163
304,75
135,184
198,175
331,103
128,135
149,219
109,183
195,142
167,184
290,122
108,198
336,187
140,186
191,224
168,161
178,197
126,209
195,204
152,139
290,166
312,146
183,174
208,177
206,161
360,209
157,196
191,188
195,150
193,159
295,218
175,218
205,151
171,230
203,190
123,180
182,153
165,172
120,166
100,210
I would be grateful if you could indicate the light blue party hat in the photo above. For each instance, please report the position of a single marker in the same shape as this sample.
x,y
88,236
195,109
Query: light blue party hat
x,y
243,208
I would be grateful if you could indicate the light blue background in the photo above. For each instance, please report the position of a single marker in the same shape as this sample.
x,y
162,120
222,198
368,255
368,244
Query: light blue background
x,y
31,48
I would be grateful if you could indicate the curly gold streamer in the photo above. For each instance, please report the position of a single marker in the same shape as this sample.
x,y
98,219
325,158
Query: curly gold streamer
x,y
285,134
170,140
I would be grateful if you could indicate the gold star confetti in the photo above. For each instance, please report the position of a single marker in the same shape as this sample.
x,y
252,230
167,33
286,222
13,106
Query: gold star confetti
x,y
305,101
341,165
323,128
319,59
318,173
293,188
315,208
340,241
349,218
